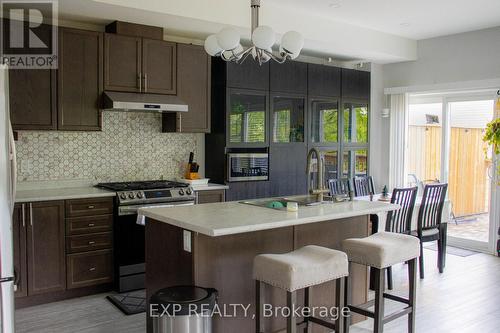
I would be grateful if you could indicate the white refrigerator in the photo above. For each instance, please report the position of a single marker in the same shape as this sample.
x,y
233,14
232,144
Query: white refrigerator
x,y
7,195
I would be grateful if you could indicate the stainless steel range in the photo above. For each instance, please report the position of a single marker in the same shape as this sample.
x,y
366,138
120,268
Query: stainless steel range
x,y
129,244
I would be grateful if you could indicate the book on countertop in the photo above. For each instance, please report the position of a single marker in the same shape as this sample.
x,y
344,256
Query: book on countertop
x,y
194,182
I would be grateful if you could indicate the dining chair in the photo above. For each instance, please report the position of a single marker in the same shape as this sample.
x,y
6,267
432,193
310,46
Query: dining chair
x,y
363,185
399,221
429,226
339,186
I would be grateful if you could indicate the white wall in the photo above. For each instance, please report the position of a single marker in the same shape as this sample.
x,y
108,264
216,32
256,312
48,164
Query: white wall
x,y
379,144
462,57
456,58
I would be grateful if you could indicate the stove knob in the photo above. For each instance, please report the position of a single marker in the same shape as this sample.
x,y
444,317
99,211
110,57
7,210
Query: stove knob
x,y
139,195
189,191
181,192
123,196
131,195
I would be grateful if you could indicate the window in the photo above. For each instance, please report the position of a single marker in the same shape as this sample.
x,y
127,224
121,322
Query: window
x,y
424,141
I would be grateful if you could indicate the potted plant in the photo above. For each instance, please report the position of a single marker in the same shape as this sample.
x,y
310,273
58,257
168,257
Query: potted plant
x,y
492,137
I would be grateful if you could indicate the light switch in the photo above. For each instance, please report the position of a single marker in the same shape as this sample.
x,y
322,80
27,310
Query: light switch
x,y
187,241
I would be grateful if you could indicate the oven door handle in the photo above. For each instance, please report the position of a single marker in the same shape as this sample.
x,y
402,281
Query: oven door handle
x,y
131,210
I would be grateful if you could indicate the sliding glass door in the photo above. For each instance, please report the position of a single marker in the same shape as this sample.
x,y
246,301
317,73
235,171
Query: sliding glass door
x,y
445,145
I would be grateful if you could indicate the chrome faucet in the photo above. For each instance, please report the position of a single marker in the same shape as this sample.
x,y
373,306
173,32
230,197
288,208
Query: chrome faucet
x,y
320,190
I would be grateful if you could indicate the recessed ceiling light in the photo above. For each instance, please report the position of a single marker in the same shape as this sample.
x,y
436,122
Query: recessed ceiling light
x,y
405,24
334,5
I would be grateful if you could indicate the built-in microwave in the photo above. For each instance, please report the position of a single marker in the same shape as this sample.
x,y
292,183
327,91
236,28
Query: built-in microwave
x,y
247,166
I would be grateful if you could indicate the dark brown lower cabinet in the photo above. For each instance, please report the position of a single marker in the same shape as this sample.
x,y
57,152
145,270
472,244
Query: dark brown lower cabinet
x,y
19,245
58,257
46,247
89,268
210,196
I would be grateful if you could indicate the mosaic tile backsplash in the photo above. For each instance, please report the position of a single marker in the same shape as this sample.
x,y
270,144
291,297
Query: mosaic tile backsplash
x,y
129,147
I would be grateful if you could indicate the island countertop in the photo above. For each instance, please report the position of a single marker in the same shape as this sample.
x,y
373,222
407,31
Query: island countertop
x,y
229,218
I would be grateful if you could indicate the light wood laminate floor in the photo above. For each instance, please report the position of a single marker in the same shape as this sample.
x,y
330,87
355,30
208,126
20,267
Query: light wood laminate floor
x,y
466,298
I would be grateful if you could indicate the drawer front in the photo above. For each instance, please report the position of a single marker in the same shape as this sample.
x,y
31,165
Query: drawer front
x,y
88,225
89,268
89,207
91,242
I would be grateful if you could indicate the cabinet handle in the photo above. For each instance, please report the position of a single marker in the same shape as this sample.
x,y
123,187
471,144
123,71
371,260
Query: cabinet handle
x,y
31,214
139,81
23,207
91,207
91,243
180,122
145,82
91,224
92,269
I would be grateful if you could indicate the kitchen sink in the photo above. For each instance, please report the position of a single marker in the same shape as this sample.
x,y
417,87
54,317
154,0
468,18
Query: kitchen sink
x,y
280,203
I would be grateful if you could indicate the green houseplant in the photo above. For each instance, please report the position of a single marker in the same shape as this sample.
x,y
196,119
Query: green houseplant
x,y
492,137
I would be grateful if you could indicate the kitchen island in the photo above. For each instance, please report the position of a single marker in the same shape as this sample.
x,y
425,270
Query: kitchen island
x,y
213,245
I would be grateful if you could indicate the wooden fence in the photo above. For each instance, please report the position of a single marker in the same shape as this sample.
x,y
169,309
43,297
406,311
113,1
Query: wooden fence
x,y
469,185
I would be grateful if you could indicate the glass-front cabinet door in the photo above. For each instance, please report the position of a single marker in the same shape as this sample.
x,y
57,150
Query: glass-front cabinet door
x,y
355,163
288,115
324,121
355,122
247,119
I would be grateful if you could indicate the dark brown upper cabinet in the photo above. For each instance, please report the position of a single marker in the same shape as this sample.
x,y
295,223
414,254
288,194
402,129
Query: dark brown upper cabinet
x,y
46,247
32,96
122,63
134,64
248,75
323,80
79,79
194,88
159,67
32,99
355,84
289,77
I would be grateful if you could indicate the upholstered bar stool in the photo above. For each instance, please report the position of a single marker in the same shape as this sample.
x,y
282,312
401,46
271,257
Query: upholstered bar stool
x,y
301,269
380,251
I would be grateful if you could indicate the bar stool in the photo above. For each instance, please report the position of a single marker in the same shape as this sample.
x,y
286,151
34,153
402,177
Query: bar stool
x,y
380,251
301,269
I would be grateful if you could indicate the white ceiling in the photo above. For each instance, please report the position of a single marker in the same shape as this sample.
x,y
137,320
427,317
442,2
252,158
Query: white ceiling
x,y
415,19
358,30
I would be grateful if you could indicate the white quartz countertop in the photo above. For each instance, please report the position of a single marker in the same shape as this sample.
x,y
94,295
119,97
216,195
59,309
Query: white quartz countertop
x,y
46,191
227,218
47,194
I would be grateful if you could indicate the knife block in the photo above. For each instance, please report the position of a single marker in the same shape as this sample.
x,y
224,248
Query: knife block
x,y
189,174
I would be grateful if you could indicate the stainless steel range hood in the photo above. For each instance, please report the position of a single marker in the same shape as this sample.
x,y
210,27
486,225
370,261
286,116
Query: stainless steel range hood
x,y
117,101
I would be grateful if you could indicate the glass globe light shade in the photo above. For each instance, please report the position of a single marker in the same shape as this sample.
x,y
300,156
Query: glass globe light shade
x,y
292,42
228,38
263,37
211,46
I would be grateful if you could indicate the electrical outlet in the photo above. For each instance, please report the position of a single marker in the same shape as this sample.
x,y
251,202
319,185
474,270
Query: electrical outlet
x,y
187,240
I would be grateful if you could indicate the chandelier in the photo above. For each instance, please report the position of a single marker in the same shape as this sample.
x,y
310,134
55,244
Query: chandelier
x,y
226,43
